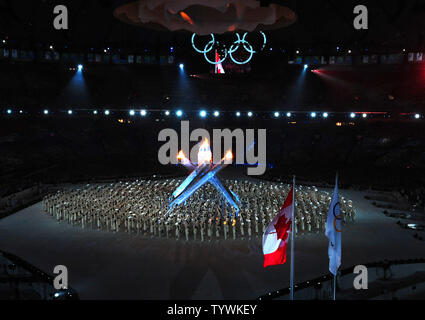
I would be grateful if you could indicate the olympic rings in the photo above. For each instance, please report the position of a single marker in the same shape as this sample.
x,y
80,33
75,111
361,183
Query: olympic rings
x,y
212,42
338,217
233,48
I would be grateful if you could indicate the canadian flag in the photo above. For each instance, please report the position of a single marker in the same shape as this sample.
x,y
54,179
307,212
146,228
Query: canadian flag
x,y
275,238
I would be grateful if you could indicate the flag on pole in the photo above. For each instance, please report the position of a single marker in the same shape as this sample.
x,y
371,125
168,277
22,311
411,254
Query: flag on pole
x,y
218,67
275,238
333,232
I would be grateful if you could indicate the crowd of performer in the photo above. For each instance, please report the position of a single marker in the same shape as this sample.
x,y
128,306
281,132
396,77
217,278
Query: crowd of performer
x,y
141,207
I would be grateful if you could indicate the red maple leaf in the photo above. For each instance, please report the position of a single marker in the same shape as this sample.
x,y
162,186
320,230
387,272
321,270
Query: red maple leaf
x,y
282,226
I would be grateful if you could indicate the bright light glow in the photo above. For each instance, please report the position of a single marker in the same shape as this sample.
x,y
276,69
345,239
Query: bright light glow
x,y
69,112
228,156
216,114
9,111
325,115
349,51
95,112
204,153
20,111
46,111
297,52
203,114
313,114
417,116
132,112
179,113
276,114
364,115
238,114
288,114
305,66
80,67
181,156
352,115
51,47
107,112
250,114
143,113
167,113
181,65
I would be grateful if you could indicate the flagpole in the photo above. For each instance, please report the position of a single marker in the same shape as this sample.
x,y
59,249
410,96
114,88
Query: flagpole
x,y
292,239
336,184
334,287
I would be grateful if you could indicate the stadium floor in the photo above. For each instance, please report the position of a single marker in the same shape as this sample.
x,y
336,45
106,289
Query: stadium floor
x,y
106,265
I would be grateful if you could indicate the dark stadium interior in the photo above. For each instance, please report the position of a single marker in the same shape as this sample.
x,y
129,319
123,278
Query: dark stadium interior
x,y
43,145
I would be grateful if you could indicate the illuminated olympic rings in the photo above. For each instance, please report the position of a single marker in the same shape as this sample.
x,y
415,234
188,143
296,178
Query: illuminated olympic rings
x,y
233,48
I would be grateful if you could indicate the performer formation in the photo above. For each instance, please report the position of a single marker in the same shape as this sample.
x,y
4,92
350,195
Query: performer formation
x,y
141,207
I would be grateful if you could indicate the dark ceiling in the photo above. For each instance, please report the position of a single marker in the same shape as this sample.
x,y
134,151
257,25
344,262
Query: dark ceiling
x,y
392,24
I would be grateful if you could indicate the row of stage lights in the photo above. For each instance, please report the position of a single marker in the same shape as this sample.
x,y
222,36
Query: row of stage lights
x,y
204,114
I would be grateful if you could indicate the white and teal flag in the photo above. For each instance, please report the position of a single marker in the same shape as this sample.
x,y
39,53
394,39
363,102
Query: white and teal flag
x,y
333,232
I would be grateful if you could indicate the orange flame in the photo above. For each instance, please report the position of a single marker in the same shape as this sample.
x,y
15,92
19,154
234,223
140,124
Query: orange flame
x,y
205,144
228,156
204,154
180,155
186,17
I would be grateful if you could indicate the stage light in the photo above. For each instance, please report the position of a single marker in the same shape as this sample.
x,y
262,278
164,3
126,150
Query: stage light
x,y
216,114
276,114
417,116
95,112
9,111
107,112
313,114
288,114
364,115
325,115
80,67
238,114
352,115
167,113
305,66
46,112
4,41
69,112
132,112
143,113
250,114
297,52
21,112
179,113
202,113
181,65
349,51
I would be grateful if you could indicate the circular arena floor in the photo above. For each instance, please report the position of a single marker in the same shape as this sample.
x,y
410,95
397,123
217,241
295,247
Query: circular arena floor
x,y
108,265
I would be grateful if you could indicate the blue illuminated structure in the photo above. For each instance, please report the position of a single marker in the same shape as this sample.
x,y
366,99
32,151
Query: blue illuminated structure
x,y
203,173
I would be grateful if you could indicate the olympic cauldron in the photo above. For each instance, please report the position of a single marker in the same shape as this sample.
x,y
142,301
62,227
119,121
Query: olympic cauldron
x,y
204,172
